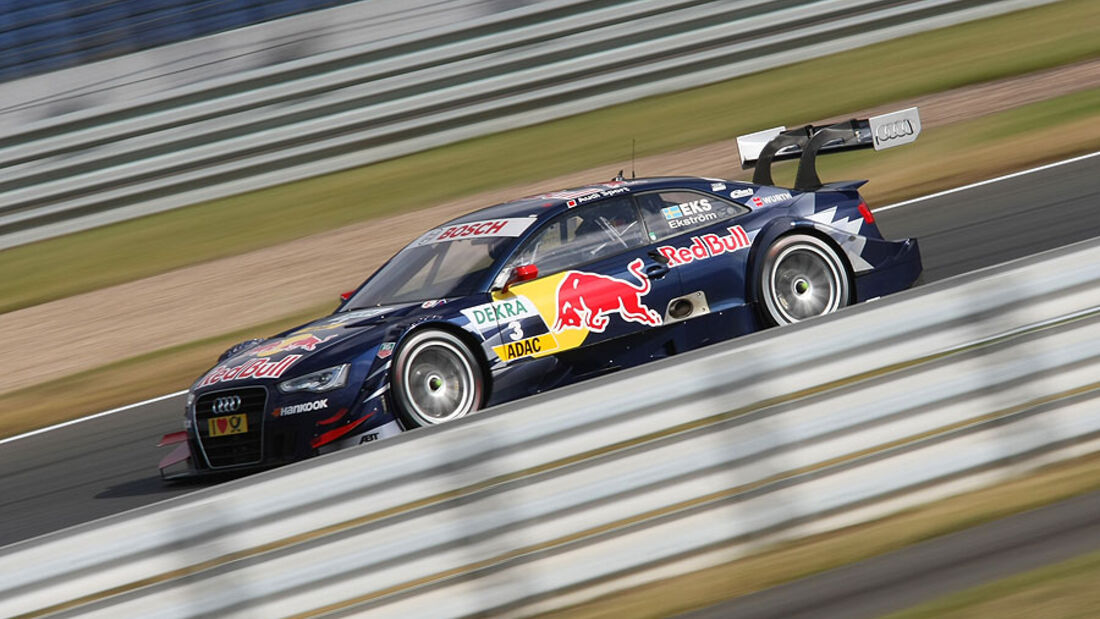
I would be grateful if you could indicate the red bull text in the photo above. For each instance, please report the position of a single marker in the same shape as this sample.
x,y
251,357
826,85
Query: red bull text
x,y
256,368
706,246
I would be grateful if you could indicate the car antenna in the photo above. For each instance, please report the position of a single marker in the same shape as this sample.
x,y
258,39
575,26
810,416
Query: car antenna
x,y
633,150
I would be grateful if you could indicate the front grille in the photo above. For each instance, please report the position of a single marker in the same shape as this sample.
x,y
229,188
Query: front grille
x,y
232,449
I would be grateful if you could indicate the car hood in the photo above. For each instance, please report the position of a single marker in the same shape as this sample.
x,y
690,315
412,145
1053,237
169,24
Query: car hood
x,y
332,340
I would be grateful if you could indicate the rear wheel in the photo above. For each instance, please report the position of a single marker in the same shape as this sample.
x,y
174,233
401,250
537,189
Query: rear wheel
x,y
436,379
802,277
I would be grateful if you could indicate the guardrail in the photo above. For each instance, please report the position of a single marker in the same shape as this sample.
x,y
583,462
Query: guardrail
x,y
662,469
377,101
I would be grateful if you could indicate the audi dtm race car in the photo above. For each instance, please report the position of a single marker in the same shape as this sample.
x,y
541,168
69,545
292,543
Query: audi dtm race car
x,y
522,297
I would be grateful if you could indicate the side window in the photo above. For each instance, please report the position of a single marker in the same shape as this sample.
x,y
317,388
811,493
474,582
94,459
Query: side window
x,y
582,235
672,212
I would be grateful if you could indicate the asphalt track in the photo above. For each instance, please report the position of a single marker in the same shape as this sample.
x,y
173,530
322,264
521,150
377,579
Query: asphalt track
x,y
103,466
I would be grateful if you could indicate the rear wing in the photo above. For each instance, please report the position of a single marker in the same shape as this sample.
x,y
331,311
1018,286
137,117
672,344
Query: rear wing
x,y
762,148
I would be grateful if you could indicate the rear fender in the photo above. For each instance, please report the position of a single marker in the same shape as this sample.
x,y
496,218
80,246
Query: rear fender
x,y
782,227
764,238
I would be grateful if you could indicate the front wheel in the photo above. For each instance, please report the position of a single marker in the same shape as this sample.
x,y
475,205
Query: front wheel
x,y
802,277
435,379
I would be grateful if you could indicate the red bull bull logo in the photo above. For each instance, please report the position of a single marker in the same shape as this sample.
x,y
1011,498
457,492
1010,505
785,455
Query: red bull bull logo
x,y
585,300
304,341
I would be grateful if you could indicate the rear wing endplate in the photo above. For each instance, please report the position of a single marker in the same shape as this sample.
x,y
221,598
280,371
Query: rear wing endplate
x,y
762,148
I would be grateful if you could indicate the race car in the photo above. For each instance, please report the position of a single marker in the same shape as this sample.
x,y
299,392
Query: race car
x,y
527,296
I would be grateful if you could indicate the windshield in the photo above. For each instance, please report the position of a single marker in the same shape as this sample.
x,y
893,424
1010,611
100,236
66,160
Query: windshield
x,y
446,262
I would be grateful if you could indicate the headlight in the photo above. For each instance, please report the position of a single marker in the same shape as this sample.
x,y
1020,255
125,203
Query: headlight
x,y
319,381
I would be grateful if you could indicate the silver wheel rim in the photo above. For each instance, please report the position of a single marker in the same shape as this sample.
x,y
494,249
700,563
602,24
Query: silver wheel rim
x,y
439,382
804,282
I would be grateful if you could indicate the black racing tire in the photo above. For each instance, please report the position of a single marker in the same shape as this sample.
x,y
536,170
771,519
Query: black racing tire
x,y
801,276
435,379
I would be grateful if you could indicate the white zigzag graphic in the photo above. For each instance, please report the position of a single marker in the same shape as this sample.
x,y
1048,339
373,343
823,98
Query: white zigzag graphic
x,y
851,225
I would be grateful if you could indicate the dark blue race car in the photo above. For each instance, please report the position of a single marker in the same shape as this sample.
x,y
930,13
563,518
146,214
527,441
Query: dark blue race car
x,y
530,295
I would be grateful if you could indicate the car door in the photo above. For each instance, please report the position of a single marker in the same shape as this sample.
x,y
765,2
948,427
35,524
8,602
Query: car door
x,y
600,295
698,234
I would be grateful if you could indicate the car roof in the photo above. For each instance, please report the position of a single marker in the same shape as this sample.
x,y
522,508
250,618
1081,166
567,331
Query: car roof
x,y
550,204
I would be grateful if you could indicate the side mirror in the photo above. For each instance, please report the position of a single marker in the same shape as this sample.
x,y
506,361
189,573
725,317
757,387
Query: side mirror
x,y
520,274
344,296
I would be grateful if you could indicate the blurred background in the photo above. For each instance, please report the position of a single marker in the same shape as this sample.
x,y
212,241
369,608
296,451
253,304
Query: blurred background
x,y
180,175
45,36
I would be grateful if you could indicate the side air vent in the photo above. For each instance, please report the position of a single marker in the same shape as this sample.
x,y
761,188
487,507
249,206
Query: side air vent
x,y
687,307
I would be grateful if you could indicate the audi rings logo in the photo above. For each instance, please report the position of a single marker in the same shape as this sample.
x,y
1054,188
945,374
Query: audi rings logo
x,y
894,130
227,404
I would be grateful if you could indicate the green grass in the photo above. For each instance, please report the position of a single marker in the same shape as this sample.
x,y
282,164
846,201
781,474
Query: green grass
x,y
1038,117
964,152
1061,591
969,53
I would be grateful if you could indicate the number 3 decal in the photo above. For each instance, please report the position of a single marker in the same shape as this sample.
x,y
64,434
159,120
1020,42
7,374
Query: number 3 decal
x,y
517,332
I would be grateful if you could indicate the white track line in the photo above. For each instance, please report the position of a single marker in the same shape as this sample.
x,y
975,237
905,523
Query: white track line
x,y
986,182
95,416
878,210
